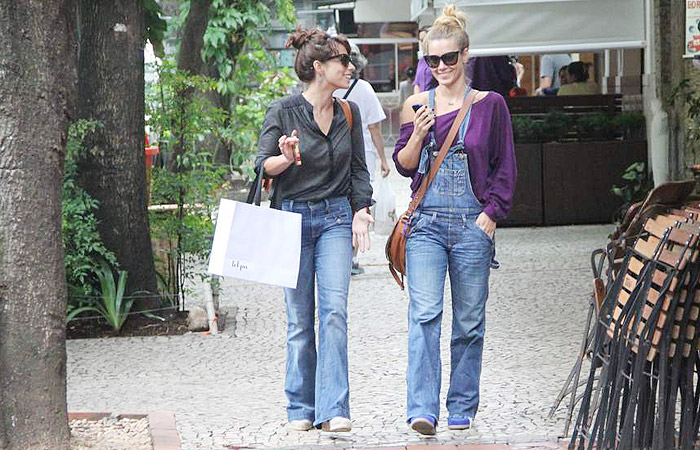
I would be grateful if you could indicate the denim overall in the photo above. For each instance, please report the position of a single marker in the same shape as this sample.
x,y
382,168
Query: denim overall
x,y
444,236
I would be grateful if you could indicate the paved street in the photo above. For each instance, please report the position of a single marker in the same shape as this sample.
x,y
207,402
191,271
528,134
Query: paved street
x,y
227,390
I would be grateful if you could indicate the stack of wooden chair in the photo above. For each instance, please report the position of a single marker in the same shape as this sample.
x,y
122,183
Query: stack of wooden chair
x,y
643,389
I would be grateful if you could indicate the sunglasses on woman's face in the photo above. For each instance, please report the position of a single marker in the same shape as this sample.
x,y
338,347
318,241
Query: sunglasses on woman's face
x,y
449,58
344,59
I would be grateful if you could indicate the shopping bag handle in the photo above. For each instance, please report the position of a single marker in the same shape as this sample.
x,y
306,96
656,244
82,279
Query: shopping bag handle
x,y
255,191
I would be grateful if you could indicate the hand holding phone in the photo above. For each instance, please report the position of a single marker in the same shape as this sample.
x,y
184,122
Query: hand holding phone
x,y
423,120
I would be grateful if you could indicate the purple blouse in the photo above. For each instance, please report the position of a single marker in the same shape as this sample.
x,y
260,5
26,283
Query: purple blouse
x,y
489,144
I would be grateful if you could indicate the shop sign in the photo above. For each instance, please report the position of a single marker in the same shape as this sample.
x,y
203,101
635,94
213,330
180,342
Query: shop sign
x,y
692,28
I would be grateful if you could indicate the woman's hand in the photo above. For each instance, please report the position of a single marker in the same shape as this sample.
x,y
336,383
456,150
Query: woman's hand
x,y
423,120
360,229
286,144
486,224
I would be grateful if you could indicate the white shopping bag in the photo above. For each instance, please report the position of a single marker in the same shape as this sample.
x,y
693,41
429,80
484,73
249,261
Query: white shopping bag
x,y
385,207
256,244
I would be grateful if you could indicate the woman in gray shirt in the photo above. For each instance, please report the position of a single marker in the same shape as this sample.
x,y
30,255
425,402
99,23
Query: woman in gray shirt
x,y
315,153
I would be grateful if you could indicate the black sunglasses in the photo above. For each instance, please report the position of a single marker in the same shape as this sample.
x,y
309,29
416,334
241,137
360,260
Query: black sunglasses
x,y
343,57
449,58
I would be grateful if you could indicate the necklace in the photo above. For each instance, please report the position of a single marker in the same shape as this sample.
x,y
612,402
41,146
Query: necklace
x,y
453,101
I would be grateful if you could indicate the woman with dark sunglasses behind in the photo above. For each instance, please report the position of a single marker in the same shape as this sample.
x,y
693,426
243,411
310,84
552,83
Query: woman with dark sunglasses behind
x,y
318,162
453,228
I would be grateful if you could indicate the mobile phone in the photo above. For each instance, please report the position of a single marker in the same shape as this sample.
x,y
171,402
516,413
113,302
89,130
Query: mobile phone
x,y
416,107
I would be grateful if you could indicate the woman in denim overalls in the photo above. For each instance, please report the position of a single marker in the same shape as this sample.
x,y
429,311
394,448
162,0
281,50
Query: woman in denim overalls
x,y
454,226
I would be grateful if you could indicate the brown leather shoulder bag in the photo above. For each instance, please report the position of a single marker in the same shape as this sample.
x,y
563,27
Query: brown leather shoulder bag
x,y
396,244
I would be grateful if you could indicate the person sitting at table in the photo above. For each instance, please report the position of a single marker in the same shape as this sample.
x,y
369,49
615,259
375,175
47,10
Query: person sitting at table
x,y
578,81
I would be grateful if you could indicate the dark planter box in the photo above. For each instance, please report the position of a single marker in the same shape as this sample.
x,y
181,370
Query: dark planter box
x,y
577,178
527,200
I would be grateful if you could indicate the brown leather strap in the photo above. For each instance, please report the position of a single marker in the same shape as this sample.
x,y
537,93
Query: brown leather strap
x,y
348,112
418,198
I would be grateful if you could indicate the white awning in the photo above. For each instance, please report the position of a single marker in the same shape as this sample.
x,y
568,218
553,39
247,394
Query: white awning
x,y
500,27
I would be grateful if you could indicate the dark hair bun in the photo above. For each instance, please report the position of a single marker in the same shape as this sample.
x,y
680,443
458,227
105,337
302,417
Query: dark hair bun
x,y
298,39
314,45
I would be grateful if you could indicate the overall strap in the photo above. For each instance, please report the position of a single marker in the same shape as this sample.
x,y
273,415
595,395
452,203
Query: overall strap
x,y
431,105
465,124
456,125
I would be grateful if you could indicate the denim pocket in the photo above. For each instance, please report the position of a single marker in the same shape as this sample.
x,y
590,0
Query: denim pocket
x,y
339,215
482,233
419,222
451,182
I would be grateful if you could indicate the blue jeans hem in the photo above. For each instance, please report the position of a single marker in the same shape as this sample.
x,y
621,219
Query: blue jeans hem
x,y
433,417
300,416
332,414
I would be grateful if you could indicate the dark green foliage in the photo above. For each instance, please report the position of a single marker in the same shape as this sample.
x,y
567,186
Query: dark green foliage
x,y
193,189
637,183
525,129
111,304
222,113
559,126
632,125
596,127
155,26
555,126
81,241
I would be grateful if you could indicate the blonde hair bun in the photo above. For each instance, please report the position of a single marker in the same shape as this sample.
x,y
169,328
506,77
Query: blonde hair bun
x,y
451,17
451,24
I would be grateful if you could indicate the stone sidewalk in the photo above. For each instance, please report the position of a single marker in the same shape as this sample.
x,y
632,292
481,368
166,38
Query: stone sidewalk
x,y
227,391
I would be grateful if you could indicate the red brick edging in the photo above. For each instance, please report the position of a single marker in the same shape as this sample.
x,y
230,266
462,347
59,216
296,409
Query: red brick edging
x,y
161,425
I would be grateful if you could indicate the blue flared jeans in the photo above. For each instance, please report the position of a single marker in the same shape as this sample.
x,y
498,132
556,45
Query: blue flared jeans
x,y
316,382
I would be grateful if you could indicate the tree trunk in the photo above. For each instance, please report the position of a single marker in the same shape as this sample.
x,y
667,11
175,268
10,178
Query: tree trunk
x,y
670,44
189,60
111,80
37,91
220,150
190,57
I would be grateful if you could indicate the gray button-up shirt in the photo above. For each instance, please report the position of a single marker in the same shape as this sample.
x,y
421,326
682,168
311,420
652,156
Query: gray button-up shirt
x,y
332,165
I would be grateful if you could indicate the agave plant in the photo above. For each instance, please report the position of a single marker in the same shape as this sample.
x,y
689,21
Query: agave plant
x,y
111,304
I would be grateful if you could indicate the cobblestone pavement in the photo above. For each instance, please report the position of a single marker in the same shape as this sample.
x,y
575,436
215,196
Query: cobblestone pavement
x,y
227,390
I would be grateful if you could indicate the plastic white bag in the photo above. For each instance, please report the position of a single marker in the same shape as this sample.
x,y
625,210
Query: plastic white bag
x,y
385,206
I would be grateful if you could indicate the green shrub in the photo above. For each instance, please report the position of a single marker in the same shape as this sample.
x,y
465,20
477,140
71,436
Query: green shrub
x,y
599,127
111,304
525,129
637,183
555,126
632,125
82,243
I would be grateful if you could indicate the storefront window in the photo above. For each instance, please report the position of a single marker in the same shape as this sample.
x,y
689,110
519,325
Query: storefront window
x,y
390,49
387,61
